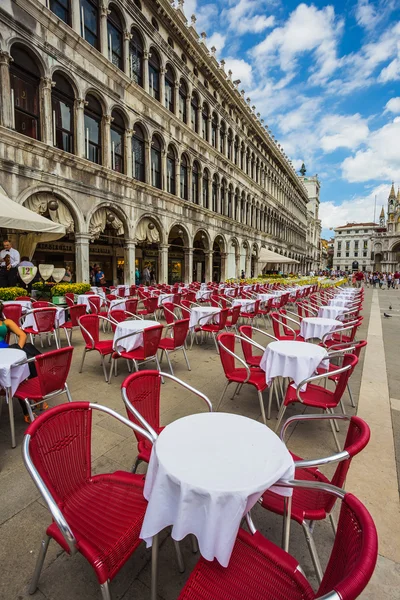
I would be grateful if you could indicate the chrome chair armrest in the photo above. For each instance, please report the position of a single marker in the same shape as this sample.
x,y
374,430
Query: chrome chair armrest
x,y
318,377
236,357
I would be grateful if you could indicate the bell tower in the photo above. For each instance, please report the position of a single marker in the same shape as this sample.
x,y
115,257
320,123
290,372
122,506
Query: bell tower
x,y
382,218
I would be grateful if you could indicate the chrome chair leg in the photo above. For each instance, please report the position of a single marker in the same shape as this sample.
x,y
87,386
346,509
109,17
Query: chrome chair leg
x,y
260,398
195,546
280,416
179,557
39,564
222,395
353,404
169,362
136,464
154,567
333,523
105,591
83,360
313,551
186,358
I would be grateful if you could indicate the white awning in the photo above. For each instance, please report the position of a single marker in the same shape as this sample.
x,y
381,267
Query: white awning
x,y
270,257
16,216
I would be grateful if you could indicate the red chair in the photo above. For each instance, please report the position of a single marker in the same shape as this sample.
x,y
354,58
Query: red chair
x,y
28,298
180,331
233,318
116,315
251,315
317,396
287,333
264,312
169,312
41,304
150,307
218,324
45,322
13,312
246,333
76,311
52,371
142,354
70,298
347,333
258,569
90,328
141,394
307,508
99,516
95,306
132,290
131,306
240,375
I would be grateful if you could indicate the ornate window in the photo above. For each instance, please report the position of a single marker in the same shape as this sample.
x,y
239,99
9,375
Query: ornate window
x,y
93,116
169,89
62,9
25,79
90,22
171,187
206,185
195,182
204,122
194,113
117,142
184,178
136,58
62,102
215,193
183,101
138,154
214,129
154,75
115,40
230,144
223,197
222,138
156,163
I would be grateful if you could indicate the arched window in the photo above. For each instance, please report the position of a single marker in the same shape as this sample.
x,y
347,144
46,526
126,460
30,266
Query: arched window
x,y
169,89
62,9
90,22
242,156
214,129
194,112
25,80
62,102
223,196
195,182
183,101
230,201
171,188
206,185
93,116
138,154
154,75
184,178
222,138
236,151
204,122
252,166
230,143
248,160
156,162
115,41
215,193
235,208
117,142
136,57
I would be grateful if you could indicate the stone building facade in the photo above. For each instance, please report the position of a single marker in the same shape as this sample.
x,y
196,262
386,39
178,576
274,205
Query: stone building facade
x,y
117,121
386,241
314,227
353,247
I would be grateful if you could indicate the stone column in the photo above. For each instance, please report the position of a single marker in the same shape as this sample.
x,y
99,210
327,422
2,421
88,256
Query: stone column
x,y
147,151
162,85
80,104
188,265
177,177
224,261
189,183
76,16
176,98
104,12
129,262
82,257
200,189
47,113
146,56
248,264
164,169
208,266
128,153
127,62
163,275
6,109
209,119
106,141
237,263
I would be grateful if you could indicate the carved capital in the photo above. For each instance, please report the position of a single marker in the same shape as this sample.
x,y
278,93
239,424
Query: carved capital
x,y
80,103
127,35
5,58
129,132
47,83
108,119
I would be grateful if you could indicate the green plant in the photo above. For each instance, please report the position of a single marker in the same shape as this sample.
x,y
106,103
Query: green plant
x,y
60,289
11,293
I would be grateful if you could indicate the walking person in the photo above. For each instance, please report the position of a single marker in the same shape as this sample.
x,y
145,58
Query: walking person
x,y
389,280
396,280
146,276
9,261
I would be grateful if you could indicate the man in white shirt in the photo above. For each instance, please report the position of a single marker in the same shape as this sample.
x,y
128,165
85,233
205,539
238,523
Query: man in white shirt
x,y
9,261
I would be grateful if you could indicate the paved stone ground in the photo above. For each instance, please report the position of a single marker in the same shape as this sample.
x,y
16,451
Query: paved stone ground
x,y
24,516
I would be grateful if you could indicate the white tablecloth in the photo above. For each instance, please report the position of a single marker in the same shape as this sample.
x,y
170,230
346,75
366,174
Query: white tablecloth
x,y
12,377
229,291
247,305
60,318
84,299
123,290
201,311
339,302
297,360
117,304
315,327
203,295
331,312
165,298
134,341
26,304
98,291
201,480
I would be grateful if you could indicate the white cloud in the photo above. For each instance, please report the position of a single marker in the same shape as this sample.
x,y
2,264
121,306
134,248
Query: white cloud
x,y
393,105
241,70
218,41
299,117
245,17
366,15
342,131
392,71
380,160
359,209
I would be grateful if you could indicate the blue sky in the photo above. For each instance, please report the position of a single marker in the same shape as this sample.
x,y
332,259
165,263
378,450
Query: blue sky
x,y
326,79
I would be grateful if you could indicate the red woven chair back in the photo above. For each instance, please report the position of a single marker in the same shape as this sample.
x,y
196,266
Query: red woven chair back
x,y
348,359
132,290
177,299
110,297
354,553
13,312
53,368
185,309
151,340
247,349
143,293
191,296
151,304
223,315
180,329
94,304
118,316
70,299
276,326
76,311
228,361
286,328
90,293
23,298
90,323
358,347
235,315
45,319
169,312
60,448
143,392
131,305
41,304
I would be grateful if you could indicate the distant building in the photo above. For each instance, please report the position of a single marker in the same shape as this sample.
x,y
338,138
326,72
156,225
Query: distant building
x,y
353,249
325,263
313,237
386,241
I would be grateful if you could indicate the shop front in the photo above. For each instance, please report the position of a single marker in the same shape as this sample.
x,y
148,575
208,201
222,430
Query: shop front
x,y
176,255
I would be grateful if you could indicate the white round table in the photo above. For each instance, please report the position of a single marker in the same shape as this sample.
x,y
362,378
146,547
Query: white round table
x,y
201,480
59,320
316,328
297,360
98,291
165,298
26,304
198,312
339,302
131,326
246,305
331,312
203,295
123,290
117,304
10,378
84,299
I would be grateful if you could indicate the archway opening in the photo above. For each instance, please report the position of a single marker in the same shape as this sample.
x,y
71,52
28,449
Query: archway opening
x,y
217,268
147,249
107,245
200,245
176,255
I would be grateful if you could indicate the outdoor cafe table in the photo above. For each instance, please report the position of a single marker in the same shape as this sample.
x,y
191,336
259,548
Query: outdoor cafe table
x,y
10,378
98,291
316,327
131,326
297,360
342,302
165,298
60,318
203,295
198,312
123,290
117,304
246,305
84,299
200,480
331,312
26,304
